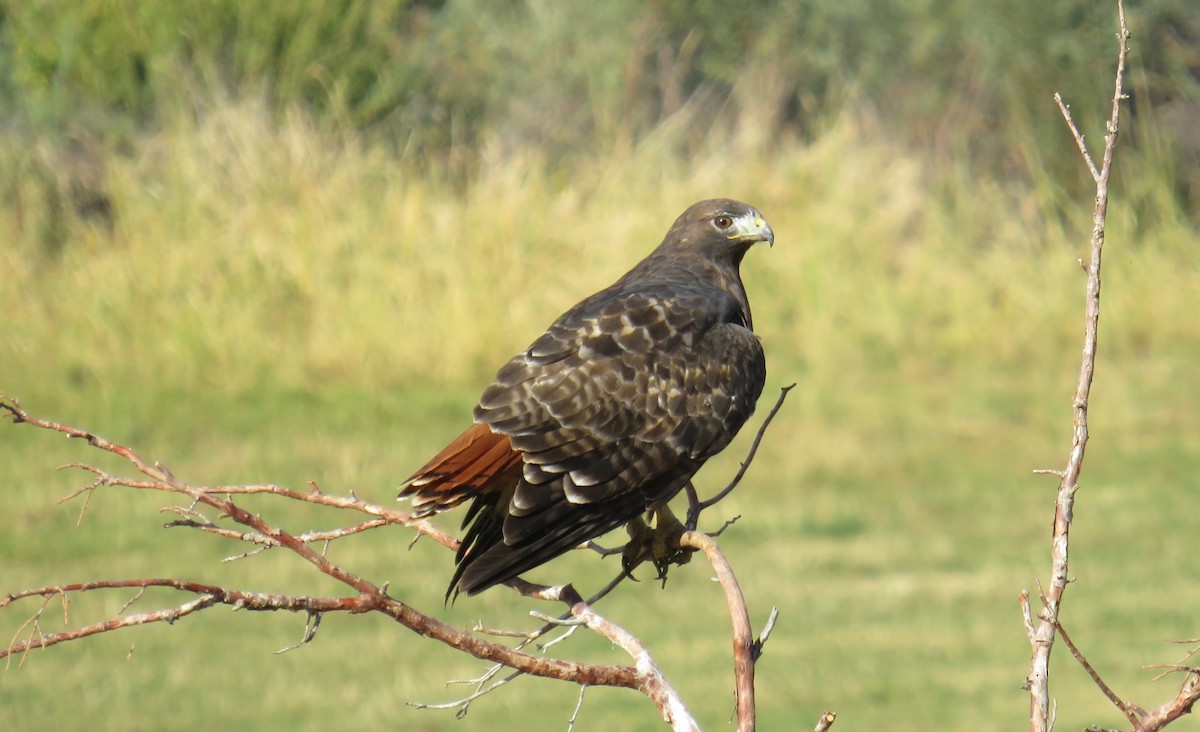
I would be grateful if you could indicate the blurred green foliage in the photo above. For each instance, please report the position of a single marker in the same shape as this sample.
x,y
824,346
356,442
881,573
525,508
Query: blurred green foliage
x,y
959,76
449,85
115,60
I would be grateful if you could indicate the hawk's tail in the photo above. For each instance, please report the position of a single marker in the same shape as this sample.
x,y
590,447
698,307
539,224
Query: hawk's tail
x,y
477,462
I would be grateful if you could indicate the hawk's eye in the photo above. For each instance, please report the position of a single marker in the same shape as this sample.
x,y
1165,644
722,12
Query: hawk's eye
x,y
723,222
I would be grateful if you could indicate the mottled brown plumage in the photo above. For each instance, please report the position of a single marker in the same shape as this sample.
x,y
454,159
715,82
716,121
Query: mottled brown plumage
x,y
612,410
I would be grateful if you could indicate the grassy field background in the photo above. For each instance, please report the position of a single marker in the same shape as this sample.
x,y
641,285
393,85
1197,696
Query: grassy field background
x,y
281,298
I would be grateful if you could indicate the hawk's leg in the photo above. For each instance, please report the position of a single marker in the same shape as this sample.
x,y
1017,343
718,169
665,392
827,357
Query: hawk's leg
x,y
658,545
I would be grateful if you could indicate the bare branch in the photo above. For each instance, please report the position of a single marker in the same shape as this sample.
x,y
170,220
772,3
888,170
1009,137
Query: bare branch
x,y
252,537
825,722
206,596
645,676
1185,699
1183,703
578,706
761,642
527,589
464,704
1087,157
310,632
603,551
1023,599
315,497
745,647
696,505
654,684
1042,639
369,596
1130,711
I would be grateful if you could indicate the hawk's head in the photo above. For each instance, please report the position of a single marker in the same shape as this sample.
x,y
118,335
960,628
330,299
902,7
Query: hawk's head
x,y
720,229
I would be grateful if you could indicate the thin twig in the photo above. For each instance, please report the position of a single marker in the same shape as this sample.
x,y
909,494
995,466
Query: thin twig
x,y
389,515
761,642
567,633
206,596
311,623
1128,710
1171,668
253,537
697,506
527,589
462,705
1185,699
578,706
1087,157
1027,615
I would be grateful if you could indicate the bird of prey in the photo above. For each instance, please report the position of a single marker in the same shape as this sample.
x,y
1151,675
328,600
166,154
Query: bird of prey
x,y
612,410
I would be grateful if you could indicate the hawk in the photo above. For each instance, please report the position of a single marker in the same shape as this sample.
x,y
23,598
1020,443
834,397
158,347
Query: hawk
x,y
612,410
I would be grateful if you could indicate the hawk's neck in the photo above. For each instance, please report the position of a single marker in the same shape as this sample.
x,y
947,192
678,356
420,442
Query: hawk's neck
x,y
690,272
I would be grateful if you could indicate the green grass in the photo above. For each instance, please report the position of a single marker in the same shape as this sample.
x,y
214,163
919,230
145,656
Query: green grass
x,y
278,304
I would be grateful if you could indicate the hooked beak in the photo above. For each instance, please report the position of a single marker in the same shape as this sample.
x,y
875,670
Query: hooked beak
x,y
752,228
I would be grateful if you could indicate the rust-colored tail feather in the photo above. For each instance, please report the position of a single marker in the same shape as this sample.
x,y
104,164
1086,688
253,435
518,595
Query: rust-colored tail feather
x,y
476,462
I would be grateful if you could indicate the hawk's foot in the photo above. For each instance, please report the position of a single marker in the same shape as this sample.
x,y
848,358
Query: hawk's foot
x,y
658,545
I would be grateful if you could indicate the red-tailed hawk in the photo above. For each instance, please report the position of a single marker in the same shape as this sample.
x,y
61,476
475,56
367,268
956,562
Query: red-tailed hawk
x,y
612,410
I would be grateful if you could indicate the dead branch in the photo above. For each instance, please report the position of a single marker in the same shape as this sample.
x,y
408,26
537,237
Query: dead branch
x,y
314,496
1130,711
655,685
745,647
484,684
205,596
1185,700
644,676
1143,721
1183,703
1042,636
250,537
696,506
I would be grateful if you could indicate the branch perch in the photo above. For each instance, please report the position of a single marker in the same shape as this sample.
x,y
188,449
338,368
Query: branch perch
x,y
745,648
644,676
